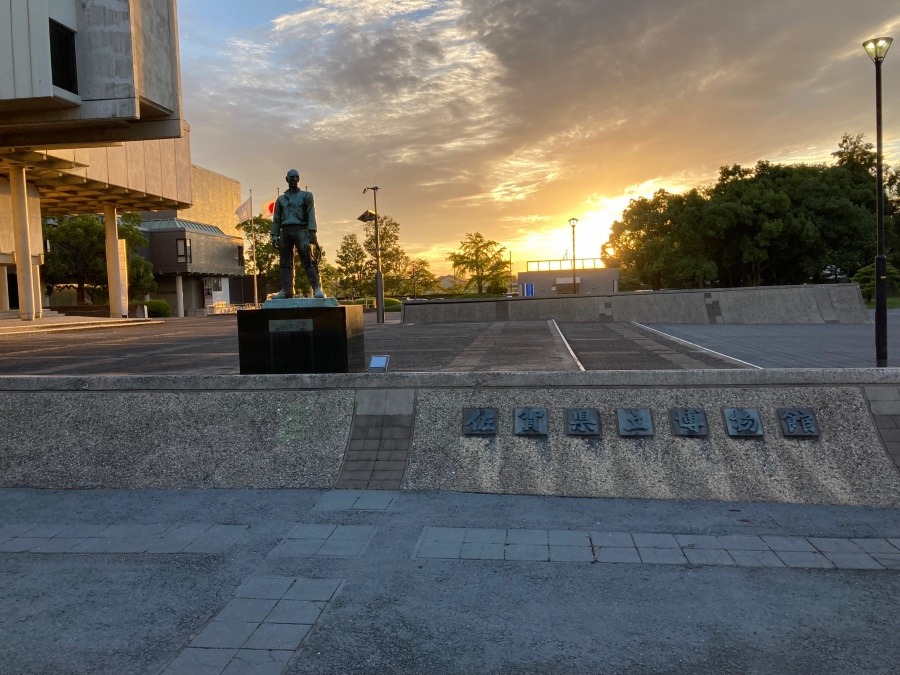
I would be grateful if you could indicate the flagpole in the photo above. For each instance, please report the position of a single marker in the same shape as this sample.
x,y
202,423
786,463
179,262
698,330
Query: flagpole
x,y
255,268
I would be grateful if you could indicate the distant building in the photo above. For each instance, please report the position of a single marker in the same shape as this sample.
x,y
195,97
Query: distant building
x,y
550,278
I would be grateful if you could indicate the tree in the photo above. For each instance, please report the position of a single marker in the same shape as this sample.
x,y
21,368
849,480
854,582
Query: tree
x,y
421,280
865,277
263,257
77,254
351,268
393,258
484,259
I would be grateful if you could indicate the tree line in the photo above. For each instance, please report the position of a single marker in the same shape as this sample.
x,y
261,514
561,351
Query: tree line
x,y
772,224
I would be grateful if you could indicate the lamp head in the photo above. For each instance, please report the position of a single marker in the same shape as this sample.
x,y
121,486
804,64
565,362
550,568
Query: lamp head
x,y
877,48
573,221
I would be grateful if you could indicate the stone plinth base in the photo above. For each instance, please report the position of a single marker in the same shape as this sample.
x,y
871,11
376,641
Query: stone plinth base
x,y
301,337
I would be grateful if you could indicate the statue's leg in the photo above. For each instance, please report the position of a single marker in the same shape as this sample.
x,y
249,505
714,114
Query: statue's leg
x,y
286,263
310,265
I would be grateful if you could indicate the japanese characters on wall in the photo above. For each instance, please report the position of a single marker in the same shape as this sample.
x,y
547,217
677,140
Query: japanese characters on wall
x,y
638,422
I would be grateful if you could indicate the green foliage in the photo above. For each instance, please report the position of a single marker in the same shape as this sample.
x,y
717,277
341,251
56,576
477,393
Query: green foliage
x,y
392,305
140,278
484,259
772,224
77,253
158,308
393,258
352,274
865,277
262,256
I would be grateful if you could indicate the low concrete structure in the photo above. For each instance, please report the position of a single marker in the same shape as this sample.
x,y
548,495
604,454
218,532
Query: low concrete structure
x,y
272,431
826,303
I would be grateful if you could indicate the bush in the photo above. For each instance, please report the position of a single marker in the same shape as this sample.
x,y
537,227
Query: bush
x,y
158,308
392,305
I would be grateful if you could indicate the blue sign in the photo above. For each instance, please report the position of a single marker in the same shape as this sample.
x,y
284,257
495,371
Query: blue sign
x,y
529,290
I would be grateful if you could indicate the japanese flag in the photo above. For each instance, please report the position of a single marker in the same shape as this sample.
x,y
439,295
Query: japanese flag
x,y
268,208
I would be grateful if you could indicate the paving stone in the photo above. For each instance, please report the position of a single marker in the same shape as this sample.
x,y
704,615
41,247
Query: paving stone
x,y
788,543
876,545
303,531
486,535
245,609
312,589
294,611
894,542
12,530
21,544
298,547
571,553
699,541
56,545
533,537
702,556
80,531
374,501
42,531
834,545
277,636
804,560
362,533
662,556
445,534
337,500
353,467
193,661
440,549
258,662
853,561
225,634
481,551
93,545
743,542
264,587
756,558
120,530
568,538
536,552
210,543
342,548
379,484
387,475
351,483
616,554
651,540
890,561
612,539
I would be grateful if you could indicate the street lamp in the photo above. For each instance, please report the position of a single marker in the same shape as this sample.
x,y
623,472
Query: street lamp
x,y
573,222
379,280
877,49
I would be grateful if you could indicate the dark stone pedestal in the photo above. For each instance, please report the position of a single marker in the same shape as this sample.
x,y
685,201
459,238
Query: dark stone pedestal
x,y
293,339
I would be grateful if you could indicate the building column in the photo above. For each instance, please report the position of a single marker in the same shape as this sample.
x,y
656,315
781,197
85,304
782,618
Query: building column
x,y
38,295
22,241
179,297
115,272
4,289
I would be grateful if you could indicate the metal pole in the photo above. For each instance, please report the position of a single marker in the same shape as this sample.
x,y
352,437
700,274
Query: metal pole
x,y
253,240
379,280
573,258
880,258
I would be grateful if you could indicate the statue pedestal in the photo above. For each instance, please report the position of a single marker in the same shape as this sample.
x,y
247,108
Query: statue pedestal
x,y
301,335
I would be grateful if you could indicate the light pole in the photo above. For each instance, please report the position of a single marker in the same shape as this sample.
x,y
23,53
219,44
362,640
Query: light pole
x,y
573,222
379,280
877,49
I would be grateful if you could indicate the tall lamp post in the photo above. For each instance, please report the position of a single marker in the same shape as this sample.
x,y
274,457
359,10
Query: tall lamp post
x,y
379,280
877,49
573,222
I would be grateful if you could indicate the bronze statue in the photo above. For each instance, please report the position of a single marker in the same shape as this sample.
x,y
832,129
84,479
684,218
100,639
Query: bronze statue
x,y
294,227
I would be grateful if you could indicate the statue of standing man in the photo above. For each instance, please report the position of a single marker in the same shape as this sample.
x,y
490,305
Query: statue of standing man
x,y
294,227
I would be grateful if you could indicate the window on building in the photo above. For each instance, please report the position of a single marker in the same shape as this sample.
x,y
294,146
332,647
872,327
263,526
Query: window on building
x,y
62,57
240,256
183,250
212,283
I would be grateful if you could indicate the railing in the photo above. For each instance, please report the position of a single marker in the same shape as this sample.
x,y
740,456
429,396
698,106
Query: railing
x,y
225,308
563,265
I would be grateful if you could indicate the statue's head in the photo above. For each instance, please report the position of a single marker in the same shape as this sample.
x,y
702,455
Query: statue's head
x,y
292,178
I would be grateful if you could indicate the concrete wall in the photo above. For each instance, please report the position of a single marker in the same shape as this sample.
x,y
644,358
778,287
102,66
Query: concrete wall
x,y
827,303
552,283
293,431
215,199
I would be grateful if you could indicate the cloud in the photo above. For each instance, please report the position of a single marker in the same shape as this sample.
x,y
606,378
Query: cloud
x,y
510,116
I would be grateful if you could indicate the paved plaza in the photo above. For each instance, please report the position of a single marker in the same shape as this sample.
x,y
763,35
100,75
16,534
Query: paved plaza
x,y
383,581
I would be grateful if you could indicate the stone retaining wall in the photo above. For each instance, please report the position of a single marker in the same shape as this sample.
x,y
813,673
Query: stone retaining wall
x,y
404,431
825,303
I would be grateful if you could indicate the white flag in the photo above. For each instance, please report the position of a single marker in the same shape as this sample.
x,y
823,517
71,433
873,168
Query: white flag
x,y
243,212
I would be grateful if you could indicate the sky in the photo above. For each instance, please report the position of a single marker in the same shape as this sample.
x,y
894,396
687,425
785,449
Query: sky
x,y
509,117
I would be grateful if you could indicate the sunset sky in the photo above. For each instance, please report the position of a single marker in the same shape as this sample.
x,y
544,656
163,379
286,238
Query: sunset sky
x,y
508,117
